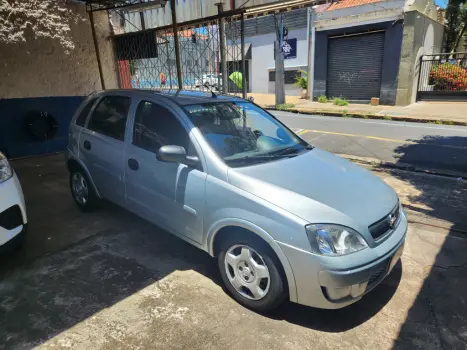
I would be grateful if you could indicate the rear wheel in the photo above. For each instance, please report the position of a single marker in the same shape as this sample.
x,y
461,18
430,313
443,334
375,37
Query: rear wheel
x,y
252,273
82,191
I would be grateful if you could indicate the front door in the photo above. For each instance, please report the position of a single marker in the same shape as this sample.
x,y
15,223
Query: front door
x,y
169,194
102,146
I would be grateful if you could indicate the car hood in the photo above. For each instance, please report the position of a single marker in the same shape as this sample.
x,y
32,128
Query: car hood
x,y
320,188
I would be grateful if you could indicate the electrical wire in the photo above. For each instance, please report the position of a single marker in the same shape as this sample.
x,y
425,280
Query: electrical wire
x,y
246,2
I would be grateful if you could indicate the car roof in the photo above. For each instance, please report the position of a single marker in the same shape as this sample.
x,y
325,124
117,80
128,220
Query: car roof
x,y
181,97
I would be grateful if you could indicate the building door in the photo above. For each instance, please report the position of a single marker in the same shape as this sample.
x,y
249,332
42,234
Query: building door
x,y
355,65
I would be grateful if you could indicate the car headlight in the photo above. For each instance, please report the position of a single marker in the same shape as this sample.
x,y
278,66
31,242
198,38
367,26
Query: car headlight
x,y
334,240
5,169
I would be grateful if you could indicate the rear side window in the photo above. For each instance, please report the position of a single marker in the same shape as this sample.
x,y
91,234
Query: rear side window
x,y
109,117
81,119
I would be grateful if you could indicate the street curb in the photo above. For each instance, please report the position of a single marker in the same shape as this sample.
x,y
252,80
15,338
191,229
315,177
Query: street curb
x,y
358,115
404,166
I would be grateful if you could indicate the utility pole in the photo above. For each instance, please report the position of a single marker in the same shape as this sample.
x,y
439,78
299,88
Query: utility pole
x,y
177,47
222,45
311,53
279,60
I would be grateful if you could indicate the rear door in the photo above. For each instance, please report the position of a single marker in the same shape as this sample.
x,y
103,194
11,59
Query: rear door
x,y
77,124
102,145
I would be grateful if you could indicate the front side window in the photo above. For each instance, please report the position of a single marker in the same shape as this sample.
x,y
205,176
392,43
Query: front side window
x,y
81,119
242,133
155,126
110,115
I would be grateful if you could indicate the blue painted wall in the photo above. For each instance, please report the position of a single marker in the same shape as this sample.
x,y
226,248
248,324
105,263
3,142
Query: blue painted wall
x,y
392,52
15,140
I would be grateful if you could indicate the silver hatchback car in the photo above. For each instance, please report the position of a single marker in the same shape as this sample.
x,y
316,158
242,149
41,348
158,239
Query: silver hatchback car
x,y
283,218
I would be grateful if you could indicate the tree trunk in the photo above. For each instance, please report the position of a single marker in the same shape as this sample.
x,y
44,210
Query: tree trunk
x,y
458,39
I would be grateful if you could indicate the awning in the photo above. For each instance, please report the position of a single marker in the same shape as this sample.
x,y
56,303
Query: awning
x,y
234,52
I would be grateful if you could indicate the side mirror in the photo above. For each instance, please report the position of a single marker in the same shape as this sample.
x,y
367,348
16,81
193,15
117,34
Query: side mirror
x,y
176,154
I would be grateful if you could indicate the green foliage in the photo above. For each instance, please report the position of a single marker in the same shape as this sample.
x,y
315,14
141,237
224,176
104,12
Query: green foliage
x,y
284,106
456,16
302,80
322,99
386,117
340,101
345,115
448,122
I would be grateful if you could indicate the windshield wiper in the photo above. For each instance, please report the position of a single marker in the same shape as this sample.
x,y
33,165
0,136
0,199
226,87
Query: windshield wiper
x,y
257,158
292,150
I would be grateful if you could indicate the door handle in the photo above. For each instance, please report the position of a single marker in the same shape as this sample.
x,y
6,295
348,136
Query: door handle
x,y
133,164
87,145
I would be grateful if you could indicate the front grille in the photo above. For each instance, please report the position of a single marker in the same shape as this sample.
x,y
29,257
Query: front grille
x,y
386,224
11,218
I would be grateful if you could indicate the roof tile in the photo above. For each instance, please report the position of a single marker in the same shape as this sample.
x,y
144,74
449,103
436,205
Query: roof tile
x,y
349,3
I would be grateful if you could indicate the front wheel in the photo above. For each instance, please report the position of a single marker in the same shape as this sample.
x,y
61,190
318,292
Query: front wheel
x,y
251,273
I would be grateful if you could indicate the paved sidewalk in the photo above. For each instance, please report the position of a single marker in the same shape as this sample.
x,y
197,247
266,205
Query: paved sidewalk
x,y
435,112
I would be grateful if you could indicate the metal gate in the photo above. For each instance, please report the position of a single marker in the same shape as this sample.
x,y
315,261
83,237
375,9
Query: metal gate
x,y
354,66
147,59
443,76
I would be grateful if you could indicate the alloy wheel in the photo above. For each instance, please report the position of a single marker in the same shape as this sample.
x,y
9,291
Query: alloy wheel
x,y
247,272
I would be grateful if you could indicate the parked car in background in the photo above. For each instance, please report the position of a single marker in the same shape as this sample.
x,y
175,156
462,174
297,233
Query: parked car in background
x,y
284,219
209,80
13,220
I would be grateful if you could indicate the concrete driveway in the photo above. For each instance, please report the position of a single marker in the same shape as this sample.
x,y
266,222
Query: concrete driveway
x,y
109,280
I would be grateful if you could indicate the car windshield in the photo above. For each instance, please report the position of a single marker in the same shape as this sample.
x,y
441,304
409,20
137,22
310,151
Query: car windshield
x,y
243,134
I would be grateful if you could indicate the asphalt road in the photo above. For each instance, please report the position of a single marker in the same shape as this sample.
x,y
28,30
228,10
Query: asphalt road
x,y
439,147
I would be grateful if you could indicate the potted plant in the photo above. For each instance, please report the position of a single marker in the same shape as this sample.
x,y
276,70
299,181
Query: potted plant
x,y
302,81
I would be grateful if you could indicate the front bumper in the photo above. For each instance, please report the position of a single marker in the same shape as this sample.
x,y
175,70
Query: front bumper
x,y
12,210
335,282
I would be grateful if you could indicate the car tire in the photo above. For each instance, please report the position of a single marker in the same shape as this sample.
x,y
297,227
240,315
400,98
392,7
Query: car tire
x,y
260,293
91,201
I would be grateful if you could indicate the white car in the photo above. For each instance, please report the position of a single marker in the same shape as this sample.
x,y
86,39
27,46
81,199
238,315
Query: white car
x,y
209,80
13,220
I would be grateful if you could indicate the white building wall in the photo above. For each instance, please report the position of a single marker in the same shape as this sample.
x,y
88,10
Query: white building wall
x,y
262,60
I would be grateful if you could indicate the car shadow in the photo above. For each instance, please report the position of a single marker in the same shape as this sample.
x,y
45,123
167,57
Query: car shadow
x,y
43,296
75,264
